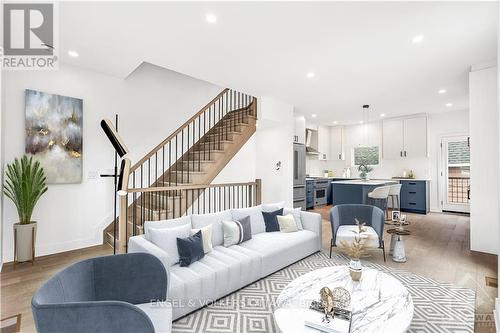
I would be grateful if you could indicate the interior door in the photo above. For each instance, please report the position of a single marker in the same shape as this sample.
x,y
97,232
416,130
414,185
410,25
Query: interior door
x,y
456,174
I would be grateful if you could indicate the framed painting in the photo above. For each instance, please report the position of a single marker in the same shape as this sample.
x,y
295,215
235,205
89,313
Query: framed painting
x,y
54,135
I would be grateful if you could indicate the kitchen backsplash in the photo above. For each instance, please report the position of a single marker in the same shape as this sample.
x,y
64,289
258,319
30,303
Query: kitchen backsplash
x,y
387,168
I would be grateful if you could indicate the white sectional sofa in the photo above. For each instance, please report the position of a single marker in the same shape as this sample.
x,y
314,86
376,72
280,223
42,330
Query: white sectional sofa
x,y
227,269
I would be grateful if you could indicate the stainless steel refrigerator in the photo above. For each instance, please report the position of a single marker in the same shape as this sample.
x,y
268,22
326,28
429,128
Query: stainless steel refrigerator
x,y
299,176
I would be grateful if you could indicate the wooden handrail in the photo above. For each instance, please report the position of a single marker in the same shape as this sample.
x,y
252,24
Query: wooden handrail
x,y
186,187
171,136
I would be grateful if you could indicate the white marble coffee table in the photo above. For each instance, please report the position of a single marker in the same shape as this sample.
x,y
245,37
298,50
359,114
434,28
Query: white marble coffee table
x,y
379,302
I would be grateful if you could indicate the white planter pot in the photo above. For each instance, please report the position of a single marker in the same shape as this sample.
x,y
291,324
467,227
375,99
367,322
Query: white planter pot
x,y
355,269
24,241
355,264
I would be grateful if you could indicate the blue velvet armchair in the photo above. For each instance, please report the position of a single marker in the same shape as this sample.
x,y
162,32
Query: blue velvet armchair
x,y
103,294
345,215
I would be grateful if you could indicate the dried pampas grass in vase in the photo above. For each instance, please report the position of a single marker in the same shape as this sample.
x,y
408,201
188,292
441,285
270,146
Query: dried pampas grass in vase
x,y
356,250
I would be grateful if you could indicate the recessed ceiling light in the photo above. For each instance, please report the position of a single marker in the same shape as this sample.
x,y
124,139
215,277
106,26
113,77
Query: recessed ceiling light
x,y
360,121
313,115
73,54
382,114
211,18
310,75
417,39
335,122
449,105
442,91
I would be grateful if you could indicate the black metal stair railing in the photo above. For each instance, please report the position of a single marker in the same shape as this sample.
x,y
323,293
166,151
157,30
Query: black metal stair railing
x,y
183,152
189,199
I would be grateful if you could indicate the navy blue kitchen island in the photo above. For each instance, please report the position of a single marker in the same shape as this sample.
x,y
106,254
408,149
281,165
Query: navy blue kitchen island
x,y
355,191
414,196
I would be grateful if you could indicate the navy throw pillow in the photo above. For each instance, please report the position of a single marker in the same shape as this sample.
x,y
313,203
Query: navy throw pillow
x,y
271,220
190,249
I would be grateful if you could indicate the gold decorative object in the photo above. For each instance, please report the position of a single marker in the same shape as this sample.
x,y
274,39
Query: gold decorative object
x,y
327,302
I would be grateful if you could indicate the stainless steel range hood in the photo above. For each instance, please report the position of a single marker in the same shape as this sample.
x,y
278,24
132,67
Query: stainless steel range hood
x,y
310,150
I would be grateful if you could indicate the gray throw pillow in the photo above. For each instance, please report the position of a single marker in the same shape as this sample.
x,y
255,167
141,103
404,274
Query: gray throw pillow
x,y
237,232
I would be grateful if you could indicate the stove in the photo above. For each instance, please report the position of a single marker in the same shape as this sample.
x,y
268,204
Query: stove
x,y
320,191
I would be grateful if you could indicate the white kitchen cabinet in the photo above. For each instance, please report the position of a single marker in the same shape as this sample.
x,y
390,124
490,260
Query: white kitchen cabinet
x,y
337,143
324,143
300,130
403,138
392,139
415,137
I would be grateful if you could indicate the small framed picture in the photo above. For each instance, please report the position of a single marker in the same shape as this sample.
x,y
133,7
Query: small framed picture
x,y
395,215
402,218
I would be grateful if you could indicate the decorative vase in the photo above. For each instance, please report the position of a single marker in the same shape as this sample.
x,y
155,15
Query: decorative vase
x,y
24,242
355,269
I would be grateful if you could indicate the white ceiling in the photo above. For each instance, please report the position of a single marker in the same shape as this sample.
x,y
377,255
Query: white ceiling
x,y
361,52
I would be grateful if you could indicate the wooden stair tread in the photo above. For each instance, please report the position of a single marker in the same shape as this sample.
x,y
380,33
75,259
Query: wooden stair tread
x,y
202,161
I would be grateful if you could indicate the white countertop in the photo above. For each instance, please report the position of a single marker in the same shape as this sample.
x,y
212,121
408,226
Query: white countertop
x,y
365,182
416,179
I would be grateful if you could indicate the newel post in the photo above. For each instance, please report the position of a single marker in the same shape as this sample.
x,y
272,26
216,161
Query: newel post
x,y
258,191
122,223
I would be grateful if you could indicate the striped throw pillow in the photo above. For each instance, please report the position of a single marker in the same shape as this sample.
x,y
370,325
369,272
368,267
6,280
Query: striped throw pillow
x,y
237,232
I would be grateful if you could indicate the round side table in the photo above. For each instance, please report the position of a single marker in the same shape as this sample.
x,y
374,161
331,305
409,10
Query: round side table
x,y
397,248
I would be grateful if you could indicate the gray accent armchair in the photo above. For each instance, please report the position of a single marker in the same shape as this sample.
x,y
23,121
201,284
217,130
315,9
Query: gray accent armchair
x,y
346,214
101,294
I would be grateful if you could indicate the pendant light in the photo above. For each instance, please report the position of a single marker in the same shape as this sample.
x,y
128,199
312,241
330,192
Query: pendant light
x,y
365,124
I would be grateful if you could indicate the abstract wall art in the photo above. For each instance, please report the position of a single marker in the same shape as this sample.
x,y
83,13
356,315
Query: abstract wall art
x,y
54,135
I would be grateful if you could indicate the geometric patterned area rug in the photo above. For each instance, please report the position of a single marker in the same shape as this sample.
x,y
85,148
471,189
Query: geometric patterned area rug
x,y
438,307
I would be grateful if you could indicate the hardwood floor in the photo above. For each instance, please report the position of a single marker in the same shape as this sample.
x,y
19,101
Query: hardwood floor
x,y
18,285
438,248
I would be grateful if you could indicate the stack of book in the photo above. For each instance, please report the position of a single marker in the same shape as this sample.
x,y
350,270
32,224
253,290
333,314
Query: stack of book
x,y
340,323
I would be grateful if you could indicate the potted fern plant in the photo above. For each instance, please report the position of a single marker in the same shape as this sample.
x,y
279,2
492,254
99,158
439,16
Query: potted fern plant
x,y
24,185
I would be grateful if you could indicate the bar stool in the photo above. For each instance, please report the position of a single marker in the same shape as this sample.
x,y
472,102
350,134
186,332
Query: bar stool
x,y
378,197
394,193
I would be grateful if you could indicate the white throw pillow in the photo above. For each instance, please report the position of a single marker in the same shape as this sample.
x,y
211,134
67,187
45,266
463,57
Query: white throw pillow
x,y
287,223
273,206
296,216
256,218
166,239
202,220
165,224
206,235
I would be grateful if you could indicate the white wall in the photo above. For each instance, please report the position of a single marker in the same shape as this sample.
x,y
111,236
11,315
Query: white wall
x,y
151,103
426,167
484,128
274,144
242,167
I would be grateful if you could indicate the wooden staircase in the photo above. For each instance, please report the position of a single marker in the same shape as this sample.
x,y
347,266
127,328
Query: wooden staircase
x,y
171,180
